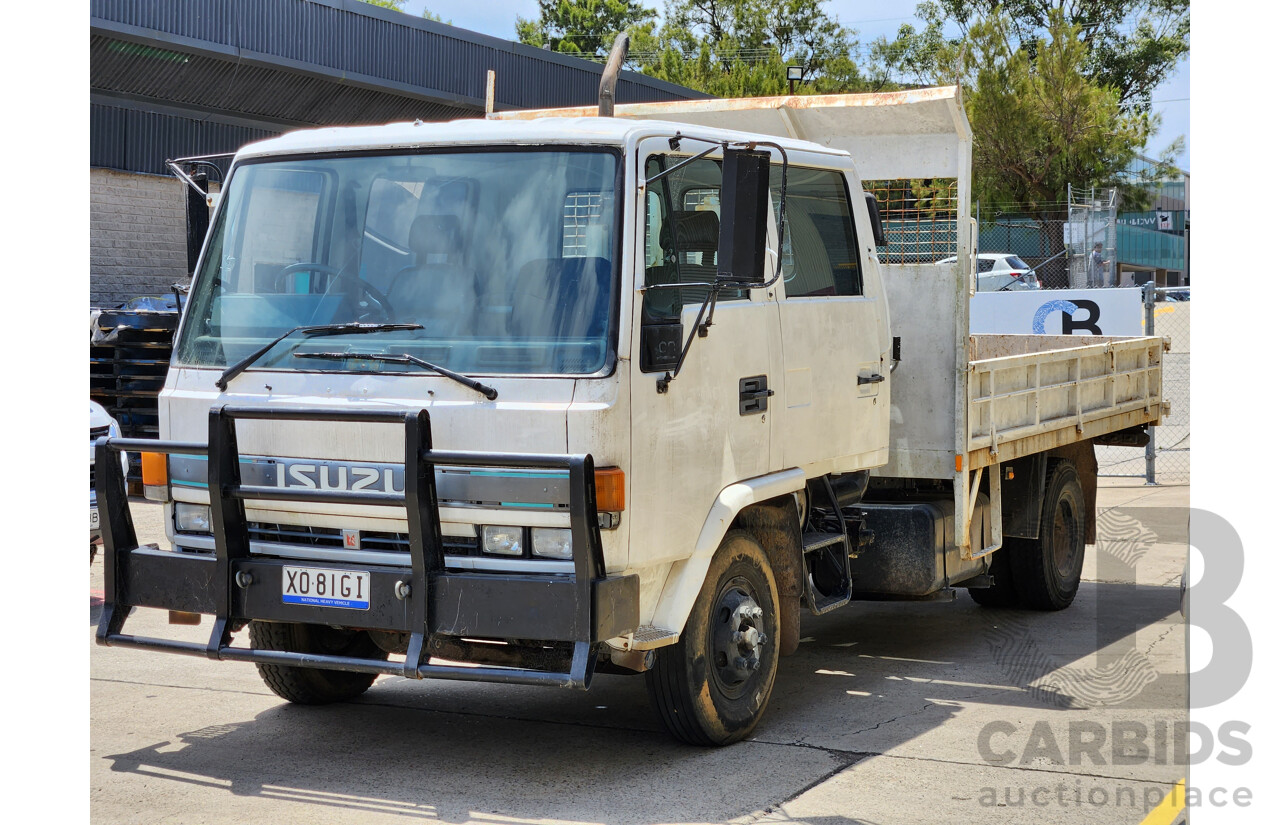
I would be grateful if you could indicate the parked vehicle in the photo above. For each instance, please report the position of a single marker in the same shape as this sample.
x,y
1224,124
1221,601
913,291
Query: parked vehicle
x,y
1000,272
101,425
533,397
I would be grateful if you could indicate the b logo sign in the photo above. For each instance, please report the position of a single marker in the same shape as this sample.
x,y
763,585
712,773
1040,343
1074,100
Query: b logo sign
x,y
1060,312
1069,322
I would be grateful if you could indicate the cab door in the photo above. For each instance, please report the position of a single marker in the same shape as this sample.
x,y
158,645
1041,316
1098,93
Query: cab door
x,y
712,424
834,332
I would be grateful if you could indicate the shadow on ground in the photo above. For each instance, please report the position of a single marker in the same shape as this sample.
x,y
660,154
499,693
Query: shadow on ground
x,y
430,750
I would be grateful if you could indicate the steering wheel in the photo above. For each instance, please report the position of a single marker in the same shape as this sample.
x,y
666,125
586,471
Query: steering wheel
x,y
370,303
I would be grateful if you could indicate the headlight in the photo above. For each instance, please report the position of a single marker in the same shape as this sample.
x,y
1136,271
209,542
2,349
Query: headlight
x,y
553,543
503,541
192,518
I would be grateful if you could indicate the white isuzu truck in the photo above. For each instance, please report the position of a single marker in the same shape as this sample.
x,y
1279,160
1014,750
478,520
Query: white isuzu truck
x,y
531,397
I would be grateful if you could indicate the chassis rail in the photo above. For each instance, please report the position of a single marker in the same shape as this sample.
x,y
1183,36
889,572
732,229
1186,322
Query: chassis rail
x,y
235,587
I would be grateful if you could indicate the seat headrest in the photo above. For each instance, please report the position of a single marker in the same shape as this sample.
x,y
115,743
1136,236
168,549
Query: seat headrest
x,y
698,231
435,235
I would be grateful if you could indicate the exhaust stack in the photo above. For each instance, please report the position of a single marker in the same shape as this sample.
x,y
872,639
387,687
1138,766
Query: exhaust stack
x,y
609,79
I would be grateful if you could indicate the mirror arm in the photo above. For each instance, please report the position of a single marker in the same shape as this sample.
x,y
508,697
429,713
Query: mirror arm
x,y
205,161
782,211
681,165
699,329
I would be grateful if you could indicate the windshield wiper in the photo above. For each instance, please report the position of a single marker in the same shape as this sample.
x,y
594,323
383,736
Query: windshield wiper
x,y
307,332
484,389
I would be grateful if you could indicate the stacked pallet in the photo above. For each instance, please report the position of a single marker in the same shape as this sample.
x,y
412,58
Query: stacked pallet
x,y
129,353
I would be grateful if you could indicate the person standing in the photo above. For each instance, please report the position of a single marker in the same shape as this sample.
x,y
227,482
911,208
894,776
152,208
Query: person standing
x,y
1097,276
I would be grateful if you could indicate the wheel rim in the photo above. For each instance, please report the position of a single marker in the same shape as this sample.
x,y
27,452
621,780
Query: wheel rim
x,y
1065,534
738,639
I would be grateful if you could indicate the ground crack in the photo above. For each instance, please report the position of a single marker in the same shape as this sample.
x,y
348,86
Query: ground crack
x,y
877,725
1161,638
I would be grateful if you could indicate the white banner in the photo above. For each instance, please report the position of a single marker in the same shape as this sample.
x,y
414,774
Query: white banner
x,y
1057,312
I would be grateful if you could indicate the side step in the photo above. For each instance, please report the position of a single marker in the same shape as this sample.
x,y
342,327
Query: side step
x,y
828,577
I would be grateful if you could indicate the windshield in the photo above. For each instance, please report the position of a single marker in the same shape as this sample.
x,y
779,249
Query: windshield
x,y
507,260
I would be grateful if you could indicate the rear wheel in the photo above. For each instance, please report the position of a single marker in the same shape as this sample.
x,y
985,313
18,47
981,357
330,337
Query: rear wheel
x,y
711,687
1001,593
1046,571
311,686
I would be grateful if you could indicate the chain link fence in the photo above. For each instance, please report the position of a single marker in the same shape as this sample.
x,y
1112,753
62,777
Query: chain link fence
x,y
919,219
1090,238
1167,458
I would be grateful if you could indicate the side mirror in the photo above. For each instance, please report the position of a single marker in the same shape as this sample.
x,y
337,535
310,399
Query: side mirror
x,y
877,227
744,214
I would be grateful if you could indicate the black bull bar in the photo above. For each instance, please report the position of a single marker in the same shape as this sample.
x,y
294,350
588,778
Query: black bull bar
x,y
424,601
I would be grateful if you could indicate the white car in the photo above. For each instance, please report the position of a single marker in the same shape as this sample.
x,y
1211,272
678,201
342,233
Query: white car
x,y
1002,272
100,424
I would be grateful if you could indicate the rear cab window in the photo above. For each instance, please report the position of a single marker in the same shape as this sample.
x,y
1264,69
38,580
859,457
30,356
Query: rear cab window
x,y
819,242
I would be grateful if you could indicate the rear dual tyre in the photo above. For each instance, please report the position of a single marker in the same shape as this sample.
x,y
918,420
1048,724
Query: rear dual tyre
x,y
1043,573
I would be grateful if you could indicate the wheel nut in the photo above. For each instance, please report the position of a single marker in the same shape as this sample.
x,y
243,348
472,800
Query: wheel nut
x,y
740,663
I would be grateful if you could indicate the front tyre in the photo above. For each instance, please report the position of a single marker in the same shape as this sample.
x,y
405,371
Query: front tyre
x,y
312,686
711,687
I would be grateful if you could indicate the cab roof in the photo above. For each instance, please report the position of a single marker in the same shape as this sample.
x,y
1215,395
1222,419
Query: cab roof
x,y
572,131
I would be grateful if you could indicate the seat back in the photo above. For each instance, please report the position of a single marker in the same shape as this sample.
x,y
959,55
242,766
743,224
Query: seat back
x,y
437,291
562,298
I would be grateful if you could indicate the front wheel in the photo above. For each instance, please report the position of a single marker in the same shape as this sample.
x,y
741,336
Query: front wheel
x,y
711,687
313,686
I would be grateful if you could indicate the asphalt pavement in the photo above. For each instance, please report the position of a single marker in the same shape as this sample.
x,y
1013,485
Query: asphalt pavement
x,y
891,712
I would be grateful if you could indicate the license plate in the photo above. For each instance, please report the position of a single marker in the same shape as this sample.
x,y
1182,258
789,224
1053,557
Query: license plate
x,y
323,587
93,518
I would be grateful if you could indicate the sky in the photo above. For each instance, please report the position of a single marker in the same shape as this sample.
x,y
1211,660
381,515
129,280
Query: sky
x,y
497,18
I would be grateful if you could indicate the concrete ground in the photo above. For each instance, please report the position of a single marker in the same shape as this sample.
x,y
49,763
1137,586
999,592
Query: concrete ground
x,y
891,712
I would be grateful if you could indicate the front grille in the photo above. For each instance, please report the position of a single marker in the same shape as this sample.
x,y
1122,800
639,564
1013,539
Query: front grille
x,y
99,432
331,538
93,478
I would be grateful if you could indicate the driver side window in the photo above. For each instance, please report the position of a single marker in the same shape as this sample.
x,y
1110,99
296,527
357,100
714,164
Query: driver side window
x,y
682,233
284,208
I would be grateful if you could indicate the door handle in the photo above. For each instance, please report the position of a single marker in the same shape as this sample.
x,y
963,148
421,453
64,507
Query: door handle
x,y
753,394
874,378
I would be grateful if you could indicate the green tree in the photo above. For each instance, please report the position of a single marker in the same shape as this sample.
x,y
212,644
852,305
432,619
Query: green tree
x,y
394,5
739,48
1039,126
1130,45
585,28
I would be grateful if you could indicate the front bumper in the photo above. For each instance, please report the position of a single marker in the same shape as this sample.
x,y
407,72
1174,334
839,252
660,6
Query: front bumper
x,y
430,604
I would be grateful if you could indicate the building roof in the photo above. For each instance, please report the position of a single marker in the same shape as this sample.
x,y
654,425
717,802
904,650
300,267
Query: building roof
x,y
164,74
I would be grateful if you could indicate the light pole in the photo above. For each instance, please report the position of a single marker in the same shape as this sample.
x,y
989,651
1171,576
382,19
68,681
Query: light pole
x,y
794,75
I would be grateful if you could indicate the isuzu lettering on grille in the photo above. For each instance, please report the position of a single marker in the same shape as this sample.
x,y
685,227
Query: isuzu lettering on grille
x,y
339,476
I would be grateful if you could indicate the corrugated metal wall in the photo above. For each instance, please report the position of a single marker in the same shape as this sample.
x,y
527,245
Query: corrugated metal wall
x,y
202,76
140,141
349,38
